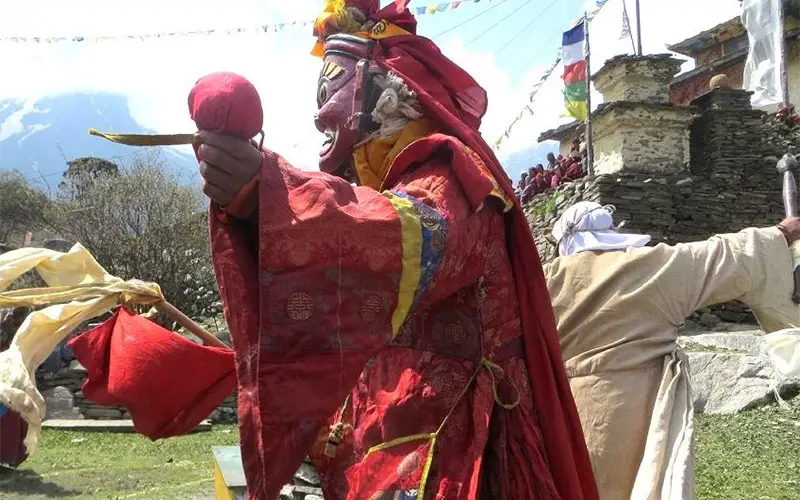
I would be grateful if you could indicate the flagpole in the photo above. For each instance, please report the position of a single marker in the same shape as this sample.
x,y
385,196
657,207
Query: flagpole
x,y
587,55
638,28
784,76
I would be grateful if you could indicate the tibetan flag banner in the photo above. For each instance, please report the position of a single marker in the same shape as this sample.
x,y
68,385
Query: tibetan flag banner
x,y
572,54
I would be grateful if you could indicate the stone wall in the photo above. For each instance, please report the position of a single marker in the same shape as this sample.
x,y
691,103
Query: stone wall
x,y
672,209
65,400
731,184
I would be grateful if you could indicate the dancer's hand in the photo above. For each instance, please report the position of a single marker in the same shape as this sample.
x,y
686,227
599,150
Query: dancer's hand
x,y
227,165
790,227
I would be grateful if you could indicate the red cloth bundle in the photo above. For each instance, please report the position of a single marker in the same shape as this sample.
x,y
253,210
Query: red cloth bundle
x,y
227,103
168,383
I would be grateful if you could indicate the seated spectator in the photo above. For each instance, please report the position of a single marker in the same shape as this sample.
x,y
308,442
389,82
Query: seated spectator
x,y
537,179
524,179
559,172
527,193
573,171
551,161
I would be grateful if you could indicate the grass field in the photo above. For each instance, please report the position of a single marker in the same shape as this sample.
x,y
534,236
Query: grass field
x,y
107,465
753,455
750,456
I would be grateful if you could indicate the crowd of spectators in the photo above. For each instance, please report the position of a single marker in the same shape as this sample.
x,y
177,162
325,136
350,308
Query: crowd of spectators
x,y
559,170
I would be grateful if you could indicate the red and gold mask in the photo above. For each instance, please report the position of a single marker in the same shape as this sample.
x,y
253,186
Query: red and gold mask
x,y
345,98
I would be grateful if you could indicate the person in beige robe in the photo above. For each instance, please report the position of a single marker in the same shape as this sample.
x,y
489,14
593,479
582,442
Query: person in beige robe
x,y
618,306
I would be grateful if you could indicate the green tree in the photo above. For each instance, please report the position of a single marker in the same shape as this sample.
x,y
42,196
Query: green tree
x,y
82,173
22,207
143,223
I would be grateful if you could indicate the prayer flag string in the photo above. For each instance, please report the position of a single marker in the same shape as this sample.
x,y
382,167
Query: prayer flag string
x,y
531,97
265,28
599,4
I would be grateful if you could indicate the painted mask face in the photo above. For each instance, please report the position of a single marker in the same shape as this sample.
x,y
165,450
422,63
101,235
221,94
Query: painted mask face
x,y
340,98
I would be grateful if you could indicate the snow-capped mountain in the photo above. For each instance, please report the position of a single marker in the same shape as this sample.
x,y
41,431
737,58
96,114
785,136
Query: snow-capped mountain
x,y
38,137
520,161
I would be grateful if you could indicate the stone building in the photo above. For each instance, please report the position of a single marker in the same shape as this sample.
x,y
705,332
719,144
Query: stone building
x,y
565,135
723,50
727,181
636,118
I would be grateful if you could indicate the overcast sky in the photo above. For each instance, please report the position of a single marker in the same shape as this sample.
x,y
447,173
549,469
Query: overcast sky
x,y
506,48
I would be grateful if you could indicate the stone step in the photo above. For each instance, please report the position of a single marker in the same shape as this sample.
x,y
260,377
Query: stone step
x,y
731,372
104,425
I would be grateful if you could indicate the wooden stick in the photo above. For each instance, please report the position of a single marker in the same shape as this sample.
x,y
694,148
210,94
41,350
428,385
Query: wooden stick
x,y
187,322
786,166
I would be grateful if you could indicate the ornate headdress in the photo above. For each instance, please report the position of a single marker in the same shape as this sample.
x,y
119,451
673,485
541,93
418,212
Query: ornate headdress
x,y
362,18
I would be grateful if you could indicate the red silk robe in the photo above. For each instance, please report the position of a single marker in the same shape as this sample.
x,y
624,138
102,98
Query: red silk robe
x,y
398,307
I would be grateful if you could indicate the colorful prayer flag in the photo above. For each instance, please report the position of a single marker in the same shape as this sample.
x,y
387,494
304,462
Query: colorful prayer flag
x,y
626,25
573,55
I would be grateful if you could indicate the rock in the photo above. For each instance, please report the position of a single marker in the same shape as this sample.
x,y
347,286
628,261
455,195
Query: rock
x,y
736,306
67,354
709,319
307,476
53,363
730,372
225,336
75,366
744,342
287,493
722,80
59,404
733,317
57,244
304,491
103,414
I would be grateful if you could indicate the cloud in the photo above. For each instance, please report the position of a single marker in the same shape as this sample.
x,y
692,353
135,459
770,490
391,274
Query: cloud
x,y
157,75
503,95
12,125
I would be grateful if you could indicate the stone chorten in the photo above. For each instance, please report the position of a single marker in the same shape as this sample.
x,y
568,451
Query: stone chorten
x,y
637,128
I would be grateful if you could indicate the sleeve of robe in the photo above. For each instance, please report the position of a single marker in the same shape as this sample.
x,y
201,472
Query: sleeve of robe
x,y
753,266
340,269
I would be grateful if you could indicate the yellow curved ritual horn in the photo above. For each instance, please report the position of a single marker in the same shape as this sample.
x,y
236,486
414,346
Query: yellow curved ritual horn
x,y
146,139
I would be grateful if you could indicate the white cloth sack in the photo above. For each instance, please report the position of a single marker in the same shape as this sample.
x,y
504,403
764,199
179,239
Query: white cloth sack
x,y
783,348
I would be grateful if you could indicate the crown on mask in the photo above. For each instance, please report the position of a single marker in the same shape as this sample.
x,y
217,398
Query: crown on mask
x,y
354,17
344,16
